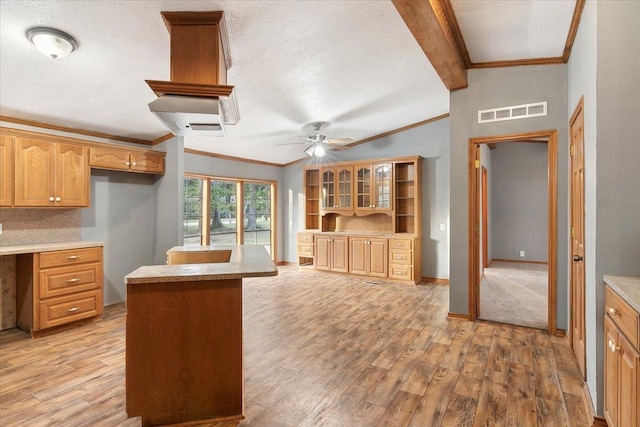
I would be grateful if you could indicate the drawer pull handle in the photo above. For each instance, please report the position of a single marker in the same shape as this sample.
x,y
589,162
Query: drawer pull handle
x,y
72,309
72,280
72,257
613,311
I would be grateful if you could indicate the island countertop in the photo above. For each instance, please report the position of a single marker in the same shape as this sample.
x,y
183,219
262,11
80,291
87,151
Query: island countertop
x,y
627,287
244,261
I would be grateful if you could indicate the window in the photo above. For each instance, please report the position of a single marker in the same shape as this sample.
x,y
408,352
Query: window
x,y
229,211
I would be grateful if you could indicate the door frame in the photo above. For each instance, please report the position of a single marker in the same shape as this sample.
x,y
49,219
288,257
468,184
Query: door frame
x,y
485,219
474,224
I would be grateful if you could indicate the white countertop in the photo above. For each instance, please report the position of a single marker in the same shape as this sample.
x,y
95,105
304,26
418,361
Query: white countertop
x,y
245,261
46,247
627,287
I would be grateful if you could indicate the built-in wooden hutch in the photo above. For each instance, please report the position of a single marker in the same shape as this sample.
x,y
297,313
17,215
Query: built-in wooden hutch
x,y
363,217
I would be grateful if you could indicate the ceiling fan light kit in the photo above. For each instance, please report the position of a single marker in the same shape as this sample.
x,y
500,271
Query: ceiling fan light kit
x,y
320,144
52,42
315,150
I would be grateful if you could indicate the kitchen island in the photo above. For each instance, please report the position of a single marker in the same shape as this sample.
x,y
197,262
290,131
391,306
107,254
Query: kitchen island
x,y
184,334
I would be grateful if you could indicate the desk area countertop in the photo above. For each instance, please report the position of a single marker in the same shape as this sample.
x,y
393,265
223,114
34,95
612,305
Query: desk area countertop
x,y
627,287
245,261
46,247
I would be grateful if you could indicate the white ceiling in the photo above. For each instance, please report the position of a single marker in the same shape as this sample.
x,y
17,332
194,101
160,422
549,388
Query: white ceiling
x,y
502,30
352,64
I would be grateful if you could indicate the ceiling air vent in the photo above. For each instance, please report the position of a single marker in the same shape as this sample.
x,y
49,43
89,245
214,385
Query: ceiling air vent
x,y
513,112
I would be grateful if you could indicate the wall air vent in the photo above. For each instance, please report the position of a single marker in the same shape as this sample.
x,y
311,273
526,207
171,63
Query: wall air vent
x,y
514,112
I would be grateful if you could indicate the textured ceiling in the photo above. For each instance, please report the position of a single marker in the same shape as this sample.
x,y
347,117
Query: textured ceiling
x,y
351,64
501,30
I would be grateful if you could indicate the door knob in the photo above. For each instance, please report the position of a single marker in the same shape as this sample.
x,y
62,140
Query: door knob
x,y
577,258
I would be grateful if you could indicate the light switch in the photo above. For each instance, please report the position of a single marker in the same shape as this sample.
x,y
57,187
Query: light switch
x,y
443,227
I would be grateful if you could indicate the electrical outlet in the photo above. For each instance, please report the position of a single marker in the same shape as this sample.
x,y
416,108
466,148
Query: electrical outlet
x,y
521,253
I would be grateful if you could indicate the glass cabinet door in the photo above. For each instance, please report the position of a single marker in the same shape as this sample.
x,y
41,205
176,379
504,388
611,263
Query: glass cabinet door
x,y
382,185
344,188
328,189
363,187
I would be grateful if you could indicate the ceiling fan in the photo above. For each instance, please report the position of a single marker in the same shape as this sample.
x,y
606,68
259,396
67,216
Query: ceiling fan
x,y
320,144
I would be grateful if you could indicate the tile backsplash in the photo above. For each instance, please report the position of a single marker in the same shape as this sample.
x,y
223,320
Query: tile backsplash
x,y
29,226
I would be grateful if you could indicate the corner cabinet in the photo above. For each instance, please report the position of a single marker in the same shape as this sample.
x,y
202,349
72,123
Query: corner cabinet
x,y
51,174
356,213
621,362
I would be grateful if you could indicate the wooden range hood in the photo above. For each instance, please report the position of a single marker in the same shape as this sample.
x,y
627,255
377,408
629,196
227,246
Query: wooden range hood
x,y
199,60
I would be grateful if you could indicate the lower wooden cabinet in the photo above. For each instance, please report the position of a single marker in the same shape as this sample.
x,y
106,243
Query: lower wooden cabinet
x,y
622,363
58,287
368,256
332,253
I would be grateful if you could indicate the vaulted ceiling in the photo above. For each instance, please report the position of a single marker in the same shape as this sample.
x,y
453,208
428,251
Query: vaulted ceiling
x,y
357,66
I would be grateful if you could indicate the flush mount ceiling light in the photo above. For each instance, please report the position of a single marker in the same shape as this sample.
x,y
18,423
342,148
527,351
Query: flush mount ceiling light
x,y
52,42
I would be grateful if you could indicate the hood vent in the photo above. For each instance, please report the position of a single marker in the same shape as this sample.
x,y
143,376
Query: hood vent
x,y
197,101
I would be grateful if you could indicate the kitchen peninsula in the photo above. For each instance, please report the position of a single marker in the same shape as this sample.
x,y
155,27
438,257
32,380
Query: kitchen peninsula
x,y
184,334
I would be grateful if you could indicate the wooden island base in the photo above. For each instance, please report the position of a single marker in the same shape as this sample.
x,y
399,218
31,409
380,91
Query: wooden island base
x,y
184,351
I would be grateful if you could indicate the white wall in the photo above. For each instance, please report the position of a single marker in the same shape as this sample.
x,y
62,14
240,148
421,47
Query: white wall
x,y
430,141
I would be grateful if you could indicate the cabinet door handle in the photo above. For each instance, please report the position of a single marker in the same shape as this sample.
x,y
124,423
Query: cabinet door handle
x,y
134,163
613,311
127,163
72,280
51,199
72,309
58,199
73,257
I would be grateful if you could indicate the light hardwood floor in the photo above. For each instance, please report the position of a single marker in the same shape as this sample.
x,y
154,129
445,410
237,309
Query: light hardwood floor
x,y
320,350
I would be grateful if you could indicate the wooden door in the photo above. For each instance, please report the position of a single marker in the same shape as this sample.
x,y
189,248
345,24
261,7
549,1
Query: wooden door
x,y
35,163
322,260
72,177
485,219
610,374
364,198
578,338
6,170
378,257
358,256
382,186
339,254
628,365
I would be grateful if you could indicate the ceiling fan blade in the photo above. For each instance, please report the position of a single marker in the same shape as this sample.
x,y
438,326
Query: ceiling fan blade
x,y
338,147
293,143
308,138
338,140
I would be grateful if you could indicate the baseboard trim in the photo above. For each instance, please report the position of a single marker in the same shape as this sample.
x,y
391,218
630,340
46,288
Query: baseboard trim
x,y
436,280
458,316
599,422
519,260
279,263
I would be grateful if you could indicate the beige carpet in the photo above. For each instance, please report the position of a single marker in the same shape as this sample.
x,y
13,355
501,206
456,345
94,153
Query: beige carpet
x,y
515,293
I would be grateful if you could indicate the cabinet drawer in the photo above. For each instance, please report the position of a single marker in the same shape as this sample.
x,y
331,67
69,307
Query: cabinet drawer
x,y
622,314
305,238
400,256
70,257
69,279
400,244
305,249
402,272
61,310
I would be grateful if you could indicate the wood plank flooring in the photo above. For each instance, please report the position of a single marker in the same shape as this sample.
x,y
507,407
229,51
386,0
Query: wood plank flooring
x,y
320,350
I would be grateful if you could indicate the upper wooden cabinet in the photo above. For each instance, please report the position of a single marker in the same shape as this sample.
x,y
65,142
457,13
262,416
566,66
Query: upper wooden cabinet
x,y
337,187
6,171
374,183
126,159
51,174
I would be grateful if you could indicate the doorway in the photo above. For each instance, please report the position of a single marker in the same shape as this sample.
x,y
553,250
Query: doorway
x,y
475,200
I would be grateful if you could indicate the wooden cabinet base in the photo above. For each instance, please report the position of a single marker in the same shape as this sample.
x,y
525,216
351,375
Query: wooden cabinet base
x,y
184,352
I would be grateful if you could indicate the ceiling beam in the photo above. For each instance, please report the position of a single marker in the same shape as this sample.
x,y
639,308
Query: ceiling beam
x,y
427,21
